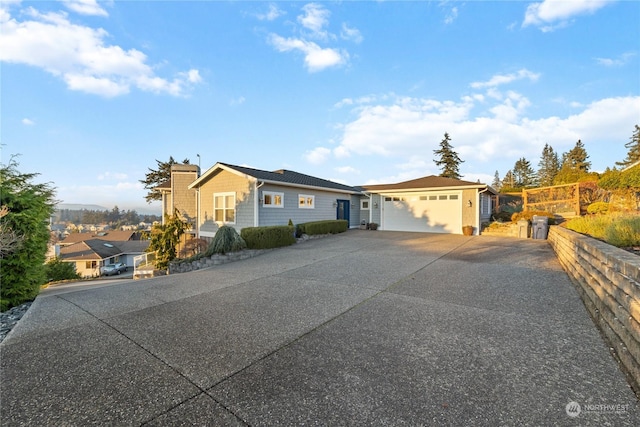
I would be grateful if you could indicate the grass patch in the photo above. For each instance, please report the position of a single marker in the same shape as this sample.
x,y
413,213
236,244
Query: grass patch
x,y
621,230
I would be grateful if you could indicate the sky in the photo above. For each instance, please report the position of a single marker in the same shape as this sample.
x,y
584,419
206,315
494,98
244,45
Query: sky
x,y
359,92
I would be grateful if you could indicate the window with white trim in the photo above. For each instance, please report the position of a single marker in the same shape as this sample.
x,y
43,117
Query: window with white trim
x,y
364,204
306,201
271,199
224,208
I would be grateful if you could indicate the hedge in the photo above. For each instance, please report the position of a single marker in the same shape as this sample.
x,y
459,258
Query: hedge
x,y
332,226
268,237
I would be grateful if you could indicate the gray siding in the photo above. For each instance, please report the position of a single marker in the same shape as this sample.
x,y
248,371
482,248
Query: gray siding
x,y
324,206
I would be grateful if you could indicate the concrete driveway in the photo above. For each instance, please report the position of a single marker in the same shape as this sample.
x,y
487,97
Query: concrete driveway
x,y
362,328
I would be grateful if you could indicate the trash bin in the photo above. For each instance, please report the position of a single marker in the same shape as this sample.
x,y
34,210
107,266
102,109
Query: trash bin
x,y
540,227
523,229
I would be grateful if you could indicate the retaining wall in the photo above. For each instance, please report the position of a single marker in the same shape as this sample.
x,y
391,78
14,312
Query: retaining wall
x,y
608,280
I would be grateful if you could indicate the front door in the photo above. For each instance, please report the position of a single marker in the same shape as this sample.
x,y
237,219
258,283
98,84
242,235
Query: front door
x,y
343,210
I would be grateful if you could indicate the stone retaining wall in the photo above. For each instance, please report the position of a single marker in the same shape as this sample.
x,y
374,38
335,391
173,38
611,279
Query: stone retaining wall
x,y
608,280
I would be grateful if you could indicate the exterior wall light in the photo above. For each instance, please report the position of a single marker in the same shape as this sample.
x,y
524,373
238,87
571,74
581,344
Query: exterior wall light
x,y
469,204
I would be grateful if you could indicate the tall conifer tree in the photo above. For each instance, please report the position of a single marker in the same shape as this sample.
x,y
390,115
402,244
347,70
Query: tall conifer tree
x,y
447,159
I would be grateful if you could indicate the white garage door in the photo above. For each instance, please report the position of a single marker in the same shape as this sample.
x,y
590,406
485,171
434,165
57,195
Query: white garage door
x,y
434,212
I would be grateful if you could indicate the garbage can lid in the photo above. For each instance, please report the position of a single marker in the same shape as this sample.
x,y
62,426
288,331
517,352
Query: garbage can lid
x,y
543,219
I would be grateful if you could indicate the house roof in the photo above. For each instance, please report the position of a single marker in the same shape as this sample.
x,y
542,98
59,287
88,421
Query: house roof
x,y
427,182
133,246
112,236
282,177
94,249
166,185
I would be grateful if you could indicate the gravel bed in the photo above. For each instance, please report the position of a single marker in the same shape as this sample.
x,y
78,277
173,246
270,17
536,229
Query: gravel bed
x,y
11,317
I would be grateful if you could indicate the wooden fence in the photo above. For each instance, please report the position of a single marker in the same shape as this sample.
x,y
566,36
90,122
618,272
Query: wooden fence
x,y
561,199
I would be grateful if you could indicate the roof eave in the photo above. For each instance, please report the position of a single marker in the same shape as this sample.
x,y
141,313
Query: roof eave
x,y
215,167
310,187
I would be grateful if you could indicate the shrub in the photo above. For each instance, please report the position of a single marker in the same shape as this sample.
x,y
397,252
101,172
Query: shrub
x,y
268,237
598,208
528,215
332,226
624,233
24,234
57,270
616,229
502,216
226,240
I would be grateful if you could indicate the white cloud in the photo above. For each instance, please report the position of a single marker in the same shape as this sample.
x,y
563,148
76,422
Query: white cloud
x,y
317,155
237,101
501,79
114,176
347,170
352,34
315,18
409,129
79,56
28,122
616,62
316,58
272,14
553,14
85,7
451,16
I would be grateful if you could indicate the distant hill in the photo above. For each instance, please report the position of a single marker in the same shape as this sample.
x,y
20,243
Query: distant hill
x,y
79,207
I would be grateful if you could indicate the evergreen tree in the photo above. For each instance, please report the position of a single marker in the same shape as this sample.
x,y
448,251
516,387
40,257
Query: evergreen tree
x,y
633,155
576,158
496,184
523,173
575,166
28,207
165,239
448,160
548,167
508,182
156,177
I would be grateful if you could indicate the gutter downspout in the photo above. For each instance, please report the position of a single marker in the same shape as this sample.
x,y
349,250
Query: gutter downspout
x,y
198,213
256,204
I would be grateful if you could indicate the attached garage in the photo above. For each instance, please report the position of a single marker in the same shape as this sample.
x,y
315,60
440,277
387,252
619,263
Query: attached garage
x,y
434,212
431,204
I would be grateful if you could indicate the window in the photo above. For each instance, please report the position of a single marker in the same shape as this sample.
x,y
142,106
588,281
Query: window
x,y
364,205
224,208
306,201
442,197
90,265
453,197
433,197
272,199
423,197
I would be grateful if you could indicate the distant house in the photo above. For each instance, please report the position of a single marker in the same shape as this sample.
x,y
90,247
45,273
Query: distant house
x,y
242,197
89,252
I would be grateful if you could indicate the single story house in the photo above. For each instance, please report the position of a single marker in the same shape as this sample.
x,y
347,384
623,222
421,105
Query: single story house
x,y
245,197
89,255
241,197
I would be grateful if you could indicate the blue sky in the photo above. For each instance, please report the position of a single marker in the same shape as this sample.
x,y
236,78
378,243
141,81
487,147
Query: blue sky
x,y
92,93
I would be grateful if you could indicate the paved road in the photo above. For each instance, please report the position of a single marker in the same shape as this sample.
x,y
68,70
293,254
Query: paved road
x,y
363,328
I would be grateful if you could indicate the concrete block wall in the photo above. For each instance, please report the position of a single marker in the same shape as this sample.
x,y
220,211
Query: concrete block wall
x,y
608,280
